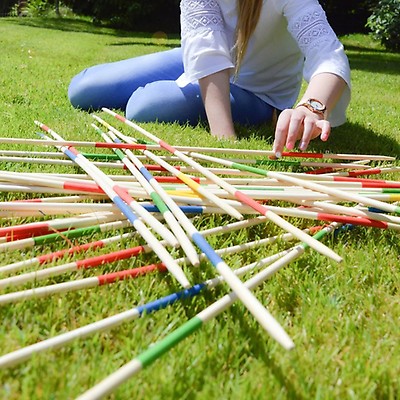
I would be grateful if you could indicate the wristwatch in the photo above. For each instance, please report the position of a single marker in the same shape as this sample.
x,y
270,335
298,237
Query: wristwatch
x,y
315,106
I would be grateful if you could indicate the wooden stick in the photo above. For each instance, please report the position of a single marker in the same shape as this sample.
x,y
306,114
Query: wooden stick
x,y
263,210
342,195
27,243
252,304
306,183
307,214
267,153
118,195
183,177
20,355
55,225
113,381
353,211
49,257
85,283
185,243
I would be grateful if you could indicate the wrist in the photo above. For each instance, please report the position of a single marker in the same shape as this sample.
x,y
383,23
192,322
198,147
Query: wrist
x,y
315,106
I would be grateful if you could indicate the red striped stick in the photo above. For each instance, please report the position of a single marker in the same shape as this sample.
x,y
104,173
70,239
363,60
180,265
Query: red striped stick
x,y
200,149
53,256
114,277
306,214
372,171
57,225
352,211
114,256
315,244
185,178
363,182
91,262
57,236
49,257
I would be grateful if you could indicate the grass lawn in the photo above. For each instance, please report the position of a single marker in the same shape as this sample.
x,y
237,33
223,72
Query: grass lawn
x,y
344,318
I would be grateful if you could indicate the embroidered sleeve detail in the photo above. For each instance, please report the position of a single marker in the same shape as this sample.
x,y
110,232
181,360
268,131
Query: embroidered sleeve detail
x,y
198,15
311,28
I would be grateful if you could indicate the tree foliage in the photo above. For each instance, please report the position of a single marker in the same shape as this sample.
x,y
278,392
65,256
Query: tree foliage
x,y
133,15
6,6
348,16
385,23
345,16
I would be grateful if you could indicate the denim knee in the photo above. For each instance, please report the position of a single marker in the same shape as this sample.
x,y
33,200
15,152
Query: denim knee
x,y
164,101
88,91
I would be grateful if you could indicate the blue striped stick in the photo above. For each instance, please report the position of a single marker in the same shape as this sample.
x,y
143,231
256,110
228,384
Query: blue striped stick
x,y
222,203
141,174
113,381
23,354
114,192
260,313
105,279
242,197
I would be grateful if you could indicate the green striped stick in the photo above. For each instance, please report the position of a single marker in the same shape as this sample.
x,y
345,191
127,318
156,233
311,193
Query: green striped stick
x,y
155,351
176,228
343,195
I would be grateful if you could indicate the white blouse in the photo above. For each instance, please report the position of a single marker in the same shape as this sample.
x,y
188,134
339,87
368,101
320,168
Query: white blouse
x,y
292,40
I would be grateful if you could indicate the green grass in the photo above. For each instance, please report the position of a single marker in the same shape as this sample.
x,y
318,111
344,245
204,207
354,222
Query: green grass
x,y
344,319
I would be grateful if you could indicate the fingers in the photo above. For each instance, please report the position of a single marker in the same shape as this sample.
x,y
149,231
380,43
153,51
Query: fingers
x,y
298,124
309,133
325,128
295,129
281,130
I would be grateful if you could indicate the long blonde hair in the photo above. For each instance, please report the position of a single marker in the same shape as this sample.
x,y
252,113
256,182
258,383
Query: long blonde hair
x,y
248,15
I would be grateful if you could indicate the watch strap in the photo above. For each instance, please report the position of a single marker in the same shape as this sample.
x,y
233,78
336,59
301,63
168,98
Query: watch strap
x,y
308,104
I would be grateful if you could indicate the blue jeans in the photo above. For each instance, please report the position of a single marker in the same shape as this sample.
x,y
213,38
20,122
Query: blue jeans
x,y
145,88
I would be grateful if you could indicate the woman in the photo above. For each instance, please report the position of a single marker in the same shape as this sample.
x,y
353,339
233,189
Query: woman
x,y
240,61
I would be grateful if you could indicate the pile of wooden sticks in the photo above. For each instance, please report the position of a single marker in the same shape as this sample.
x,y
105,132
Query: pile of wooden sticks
x,y
154,191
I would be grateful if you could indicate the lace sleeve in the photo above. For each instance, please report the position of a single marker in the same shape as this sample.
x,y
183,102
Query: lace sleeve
x,y
311,29
204,42
317,41
200,15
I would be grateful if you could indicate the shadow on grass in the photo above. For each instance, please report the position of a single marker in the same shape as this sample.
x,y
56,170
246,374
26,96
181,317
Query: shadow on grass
x,y
67,25
374,61
364,49
259,348
355,138
149,40
83,25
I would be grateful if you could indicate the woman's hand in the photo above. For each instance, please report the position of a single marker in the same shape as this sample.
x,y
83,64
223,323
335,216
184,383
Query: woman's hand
x,y
299,124
303,124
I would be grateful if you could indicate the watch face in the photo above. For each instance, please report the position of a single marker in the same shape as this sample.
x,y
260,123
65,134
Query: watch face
x,y
316,105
